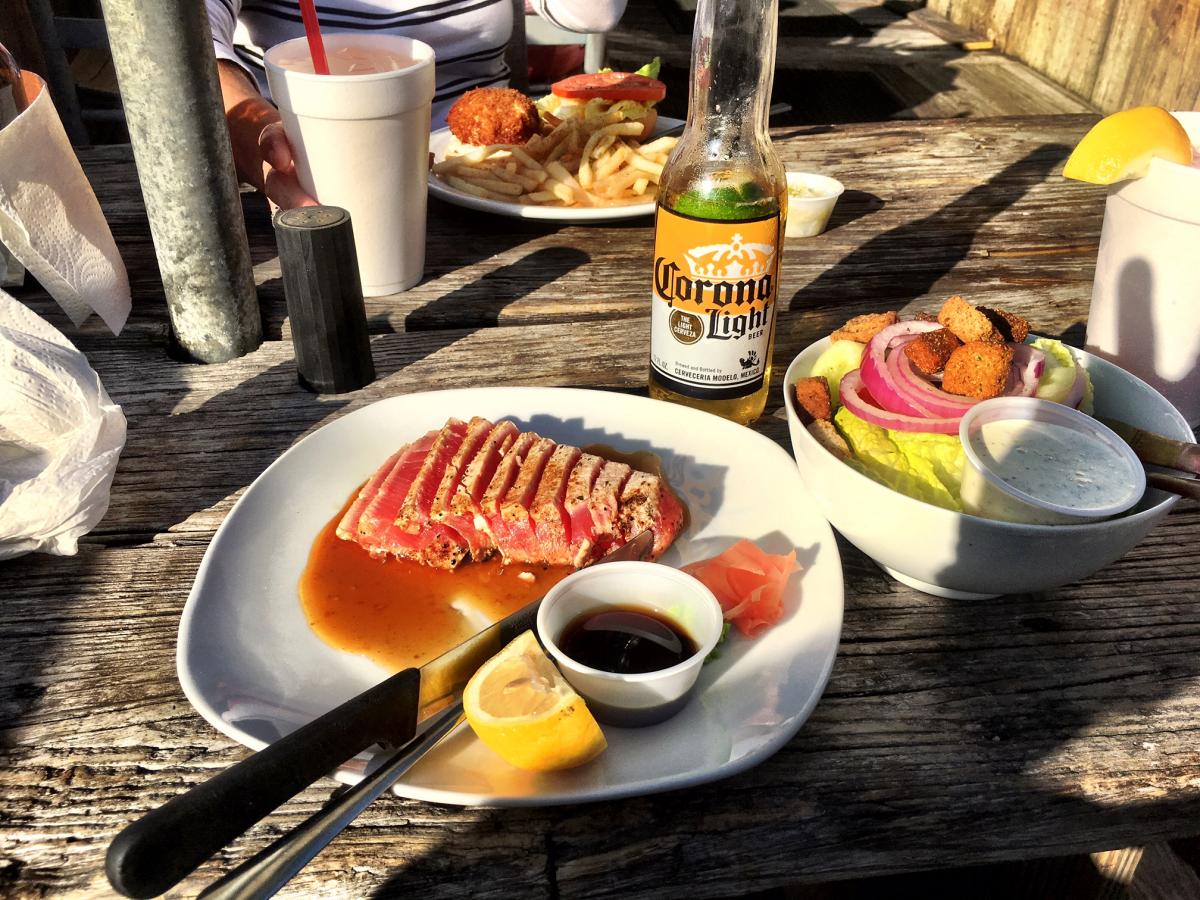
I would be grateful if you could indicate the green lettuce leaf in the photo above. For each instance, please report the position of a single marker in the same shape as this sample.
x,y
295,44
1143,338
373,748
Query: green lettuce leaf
x,y
651,69
839,358
921,465
1059,374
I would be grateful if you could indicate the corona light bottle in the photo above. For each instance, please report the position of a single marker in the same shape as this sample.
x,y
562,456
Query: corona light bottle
x,y
718,230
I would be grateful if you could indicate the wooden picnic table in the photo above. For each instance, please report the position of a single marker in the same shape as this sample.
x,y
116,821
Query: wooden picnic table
x,y
951,733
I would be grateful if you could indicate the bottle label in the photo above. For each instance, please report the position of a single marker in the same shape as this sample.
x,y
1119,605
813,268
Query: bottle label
x,y
714,304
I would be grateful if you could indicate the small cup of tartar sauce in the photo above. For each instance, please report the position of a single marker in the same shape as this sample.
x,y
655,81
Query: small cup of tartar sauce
x,y
1042,463
811,199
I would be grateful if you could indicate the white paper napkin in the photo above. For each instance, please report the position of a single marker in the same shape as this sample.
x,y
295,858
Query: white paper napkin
x,y
60,436
49,217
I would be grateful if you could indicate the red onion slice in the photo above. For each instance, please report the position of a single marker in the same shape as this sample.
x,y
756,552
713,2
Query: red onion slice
x,y
1027,367
851,391
914,386
880,381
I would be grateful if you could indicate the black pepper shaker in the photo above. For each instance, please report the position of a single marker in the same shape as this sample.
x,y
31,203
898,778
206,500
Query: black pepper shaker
x,y
324,298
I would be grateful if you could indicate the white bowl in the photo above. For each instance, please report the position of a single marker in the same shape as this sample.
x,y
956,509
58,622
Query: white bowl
x,y
955,555
632,699
807,216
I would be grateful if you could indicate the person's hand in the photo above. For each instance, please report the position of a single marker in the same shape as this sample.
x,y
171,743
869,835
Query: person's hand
x,y
280,183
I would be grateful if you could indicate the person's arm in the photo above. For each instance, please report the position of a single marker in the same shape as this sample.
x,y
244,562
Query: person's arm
x,y
261,153
587,16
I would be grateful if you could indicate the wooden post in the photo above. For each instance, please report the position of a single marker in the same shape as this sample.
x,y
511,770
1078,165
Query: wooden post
x,y
162,52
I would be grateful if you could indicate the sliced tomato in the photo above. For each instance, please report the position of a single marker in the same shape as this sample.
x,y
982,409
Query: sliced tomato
x,y
610,86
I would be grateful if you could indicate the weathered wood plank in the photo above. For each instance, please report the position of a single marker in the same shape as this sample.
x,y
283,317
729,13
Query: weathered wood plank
x,y
1152,56
1113,53
955,35
1068,41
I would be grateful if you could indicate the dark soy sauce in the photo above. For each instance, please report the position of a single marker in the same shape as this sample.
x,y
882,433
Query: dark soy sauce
x,y
626,641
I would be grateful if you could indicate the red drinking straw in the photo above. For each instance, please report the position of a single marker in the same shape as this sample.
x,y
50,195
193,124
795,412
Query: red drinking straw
x,y
312,29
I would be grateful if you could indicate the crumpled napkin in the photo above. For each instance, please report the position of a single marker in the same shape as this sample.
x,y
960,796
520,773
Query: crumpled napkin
x,y
60,437
50,220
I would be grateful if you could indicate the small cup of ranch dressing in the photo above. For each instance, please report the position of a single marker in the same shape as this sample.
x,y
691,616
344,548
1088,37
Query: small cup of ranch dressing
x,y
1042,463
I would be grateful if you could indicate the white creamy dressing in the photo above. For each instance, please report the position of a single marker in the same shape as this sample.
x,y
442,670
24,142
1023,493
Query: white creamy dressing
x,y
1055,464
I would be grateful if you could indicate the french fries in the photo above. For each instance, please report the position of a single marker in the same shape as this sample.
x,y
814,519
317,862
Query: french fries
x,y
567,164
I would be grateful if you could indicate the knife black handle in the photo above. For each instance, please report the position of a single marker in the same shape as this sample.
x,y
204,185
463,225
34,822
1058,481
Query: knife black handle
x,y
165,845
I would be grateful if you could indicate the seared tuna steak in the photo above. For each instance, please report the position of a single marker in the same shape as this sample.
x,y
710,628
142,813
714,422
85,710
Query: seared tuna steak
x,y
472,489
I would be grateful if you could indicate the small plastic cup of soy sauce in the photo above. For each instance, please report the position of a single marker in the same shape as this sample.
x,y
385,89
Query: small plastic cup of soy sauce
x,y
621,698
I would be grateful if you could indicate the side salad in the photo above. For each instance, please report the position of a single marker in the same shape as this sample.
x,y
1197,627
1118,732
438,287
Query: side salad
x,y
887,395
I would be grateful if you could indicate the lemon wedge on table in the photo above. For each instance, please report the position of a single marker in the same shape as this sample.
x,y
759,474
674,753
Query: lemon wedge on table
x,y
1121,146
523,709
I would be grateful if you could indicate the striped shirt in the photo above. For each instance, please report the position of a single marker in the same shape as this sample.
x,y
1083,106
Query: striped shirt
x,y
468,36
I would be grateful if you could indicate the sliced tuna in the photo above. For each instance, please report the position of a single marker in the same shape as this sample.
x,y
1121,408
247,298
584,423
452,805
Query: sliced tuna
x,y
647,502
383,508
436,545
460,509
348,528
575,503
515,536
604,505
414,511
470,489
506,473
548,510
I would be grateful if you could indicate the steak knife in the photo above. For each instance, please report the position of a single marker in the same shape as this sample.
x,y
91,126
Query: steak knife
x,y
160,849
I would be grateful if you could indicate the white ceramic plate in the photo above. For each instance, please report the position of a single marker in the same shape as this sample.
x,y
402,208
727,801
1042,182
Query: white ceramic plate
x,y
438,188
252,667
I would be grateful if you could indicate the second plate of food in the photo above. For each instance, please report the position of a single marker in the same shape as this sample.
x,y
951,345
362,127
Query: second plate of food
x,y
441,139
254,668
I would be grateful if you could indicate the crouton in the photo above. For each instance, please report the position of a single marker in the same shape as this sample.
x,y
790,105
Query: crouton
x,y
863,328
930,351
967,323
1011,326
812,399
978,369
828,437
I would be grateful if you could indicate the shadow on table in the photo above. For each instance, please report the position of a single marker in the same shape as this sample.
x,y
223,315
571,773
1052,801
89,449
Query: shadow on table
x,y
904,263
851,206
480,303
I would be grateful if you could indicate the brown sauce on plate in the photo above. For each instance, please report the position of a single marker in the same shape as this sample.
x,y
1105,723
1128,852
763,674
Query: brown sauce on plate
x,y
399,613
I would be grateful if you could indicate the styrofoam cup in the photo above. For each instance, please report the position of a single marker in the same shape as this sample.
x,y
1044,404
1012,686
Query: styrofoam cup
x,y
1145,310
361,142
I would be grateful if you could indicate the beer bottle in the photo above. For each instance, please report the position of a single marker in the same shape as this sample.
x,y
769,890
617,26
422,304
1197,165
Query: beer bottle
x,y
722,199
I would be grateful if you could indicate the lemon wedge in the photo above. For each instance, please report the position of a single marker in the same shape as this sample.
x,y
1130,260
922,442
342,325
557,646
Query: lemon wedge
x,y
523,709
1121,146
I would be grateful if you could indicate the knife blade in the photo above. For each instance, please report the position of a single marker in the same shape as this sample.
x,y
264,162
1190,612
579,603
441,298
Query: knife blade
x,y
164,846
